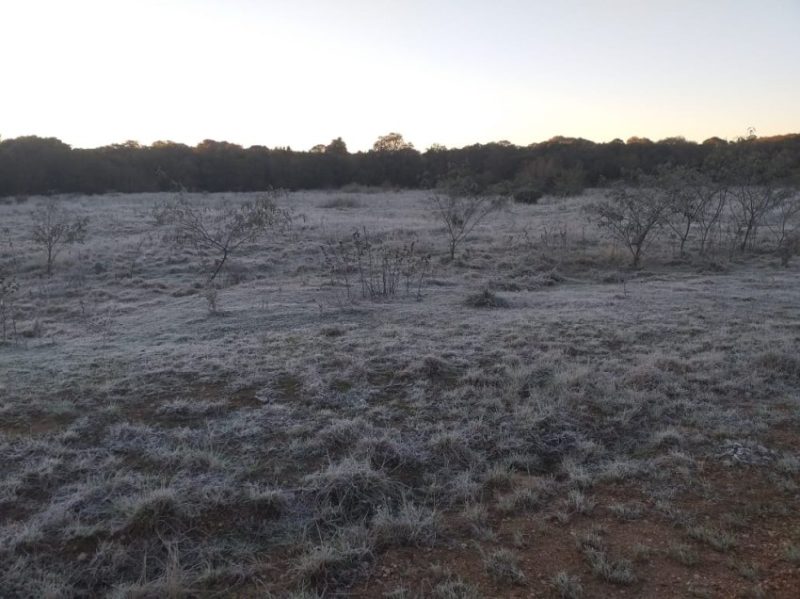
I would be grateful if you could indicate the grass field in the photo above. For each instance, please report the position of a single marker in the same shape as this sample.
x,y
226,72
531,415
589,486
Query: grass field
x,y
534,419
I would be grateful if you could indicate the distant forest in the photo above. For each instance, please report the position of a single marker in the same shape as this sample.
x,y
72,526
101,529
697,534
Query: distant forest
x,y
35,165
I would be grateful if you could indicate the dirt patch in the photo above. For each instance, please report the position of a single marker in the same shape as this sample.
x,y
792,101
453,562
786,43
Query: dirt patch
x,y
665,559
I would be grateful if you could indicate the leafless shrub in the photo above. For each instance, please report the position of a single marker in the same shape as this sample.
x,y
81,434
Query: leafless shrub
x,y
55,227
694,199
223,228
632,214
785,212
750,206
378,270
461,208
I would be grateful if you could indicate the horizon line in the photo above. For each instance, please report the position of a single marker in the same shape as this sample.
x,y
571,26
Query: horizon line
x,y
505,142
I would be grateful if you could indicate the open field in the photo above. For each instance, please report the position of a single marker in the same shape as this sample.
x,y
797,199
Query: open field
x,y
581,430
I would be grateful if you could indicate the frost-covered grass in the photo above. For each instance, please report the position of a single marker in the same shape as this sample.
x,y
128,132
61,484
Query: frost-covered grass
x,y
150,447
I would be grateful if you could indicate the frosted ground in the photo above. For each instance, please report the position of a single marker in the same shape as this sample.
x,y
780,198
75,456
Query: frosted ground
x,y
299,442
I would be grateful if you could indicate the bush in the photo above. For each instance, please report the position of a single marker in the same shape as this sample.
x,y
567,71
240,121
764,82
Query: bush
x,y
461,207
54,227
527,196
223,228
380,270
632,214
486,299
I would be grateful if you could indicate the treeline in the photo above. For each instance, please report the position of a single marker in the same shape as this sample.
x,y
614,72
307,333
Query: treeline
x,y
35,165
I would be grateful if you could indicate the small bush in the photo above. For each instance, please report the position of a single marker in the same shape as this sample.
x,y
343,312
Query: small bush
x,y
461,207
379,270
527,196
54,227
486,299
341,203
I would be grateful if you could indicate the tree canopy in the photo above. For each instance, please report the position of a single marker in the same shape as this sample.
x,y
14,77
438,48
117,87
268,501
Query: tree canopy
x,y
38,165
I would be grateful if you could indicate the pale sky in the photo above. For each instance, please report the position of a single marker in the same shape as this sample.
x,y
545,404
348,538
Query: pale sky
x,y
302,72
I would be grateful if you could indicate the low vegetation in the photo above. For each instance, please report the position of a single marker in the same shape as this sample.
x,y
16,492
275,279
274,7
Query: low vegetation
x,y
381,414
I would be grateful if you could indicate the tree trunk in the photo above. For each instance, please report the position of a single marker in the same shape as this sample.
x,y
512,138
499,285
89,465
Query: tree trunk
x,y
219,266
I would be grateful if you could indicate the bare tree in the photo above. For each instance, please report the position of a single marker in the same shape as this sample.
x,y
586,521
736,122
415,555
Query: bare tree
x,y
461,208
751,204
758,185
695,199
54,227
224,228
632,215
786,212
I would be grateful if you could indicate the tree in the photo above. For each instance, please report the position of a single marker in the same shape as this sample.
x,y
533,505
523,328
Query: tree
x,y
224,228
632,214
461,207
684,189
54,227
337,147
757,189
391,142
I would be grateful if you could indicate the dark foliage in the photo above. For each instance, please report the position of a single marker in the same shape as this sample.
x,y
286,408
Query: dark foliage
x,y
560,166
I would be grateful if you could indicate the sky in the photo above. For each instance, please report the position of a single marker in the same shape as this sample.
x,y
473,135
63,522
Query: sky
x,y
300,72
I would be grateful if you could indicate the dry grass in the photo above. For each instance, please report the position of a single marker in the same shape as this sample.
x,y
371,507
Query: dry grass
x,y
150,447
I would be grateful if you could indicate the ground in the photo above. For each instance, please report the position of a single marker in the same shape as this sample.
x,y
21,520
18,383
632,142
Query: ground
x,y
532,419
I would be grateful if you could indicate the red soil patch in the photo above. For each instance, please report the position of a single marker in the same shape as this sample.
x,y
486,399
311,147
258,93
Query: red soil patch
x,y
745,502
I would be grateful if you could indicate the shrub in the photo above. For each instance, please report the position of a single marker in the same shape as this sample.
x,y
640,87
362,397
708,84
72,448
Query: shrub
x,y
461,207
486,299
54,227
379,270
527,196
224,228
632,216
